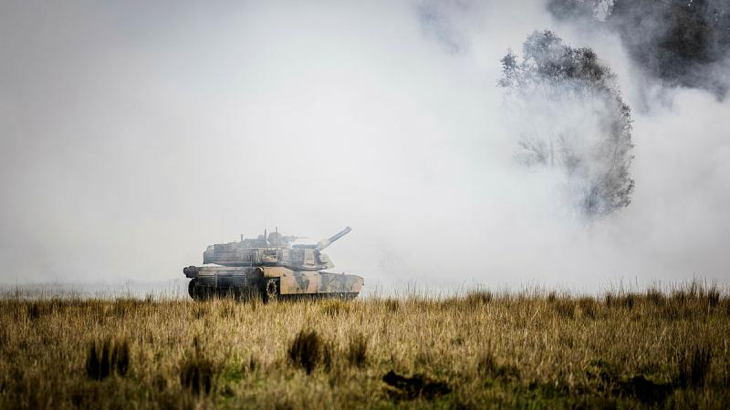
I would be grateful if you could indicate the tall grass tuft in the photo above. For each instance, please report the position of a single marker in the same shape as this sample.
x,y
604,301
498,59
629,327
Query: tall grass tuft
x,y
490,368
227,309
328,355
34,310
107,357
656,297
621,300
697,293
197,372
3,337
305,350
357,350
694,366
587,307
477,298
565,307
333,308
487,364
392,305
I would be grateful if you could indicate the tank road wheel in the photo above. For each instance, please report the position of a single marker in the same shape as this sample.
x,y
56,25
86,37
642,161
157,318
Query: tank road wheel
x,y
271,290
198,293
191,289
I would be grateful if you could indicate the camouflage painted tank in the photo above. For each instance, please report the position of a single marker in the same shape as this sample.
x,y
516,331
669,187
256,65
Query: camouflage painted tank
x,y
270,266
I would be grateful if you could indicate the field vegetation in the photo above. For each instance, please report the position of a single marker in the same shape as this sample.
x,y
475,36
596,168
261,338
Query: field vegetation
x,y
529,349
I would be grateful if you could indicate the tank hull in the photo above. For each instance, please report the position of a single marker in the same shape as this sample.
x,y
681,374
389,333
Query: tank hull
x,y
269,282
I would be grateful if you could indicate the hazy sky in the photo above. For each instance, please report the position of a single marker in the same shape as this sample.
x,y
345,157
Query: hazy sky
x,y
134,134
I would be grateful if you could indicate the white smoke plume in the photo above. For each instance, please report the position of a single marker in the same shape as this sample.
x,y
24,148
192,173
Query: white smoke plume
x,y
132,135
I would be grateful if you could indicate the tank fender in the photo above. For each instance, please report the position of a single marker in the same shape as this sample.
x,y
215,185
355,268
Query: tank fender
x,y
275,271
299,283
340,283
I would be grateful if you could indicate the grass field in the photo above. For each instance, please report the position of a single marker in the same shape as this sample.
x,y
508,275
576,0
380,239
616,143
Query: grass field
x,y
529,349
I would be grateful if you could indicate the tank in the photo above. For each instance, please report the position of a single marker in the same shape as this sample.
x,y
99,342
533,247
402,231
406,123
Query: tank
x,y
271,267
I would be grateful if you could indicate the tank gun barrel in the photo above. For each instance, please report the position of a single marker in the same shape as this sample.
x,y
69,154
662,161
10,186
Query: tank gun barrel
x,y
324,243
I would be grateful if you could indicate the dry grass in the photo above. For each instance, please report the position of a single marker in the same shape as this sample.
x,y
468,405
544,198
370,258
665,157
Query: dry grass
x,y
306,350
479,350
107,358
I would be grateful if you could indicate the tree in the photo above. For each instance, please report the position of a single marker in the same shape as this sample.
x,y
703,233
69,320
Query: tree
x,y
570,116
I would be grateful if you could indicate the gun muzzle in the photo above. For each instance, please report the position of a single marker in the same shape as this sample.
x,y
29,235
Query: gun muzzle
x,y
324,243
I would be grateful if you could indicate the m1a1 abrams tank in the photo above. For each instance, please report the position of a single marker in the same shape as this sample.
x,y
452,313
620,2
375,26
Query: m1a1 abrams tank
x,y
272,267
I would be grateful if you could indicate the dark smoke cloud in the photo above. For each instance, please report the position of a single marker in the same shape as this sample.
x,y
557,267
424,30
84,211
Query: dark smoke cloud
x,y
682,43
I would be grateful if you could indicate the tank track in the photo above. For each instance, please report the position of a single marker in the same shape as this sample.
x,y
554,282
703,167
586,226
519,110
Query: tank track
x,y
269,292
